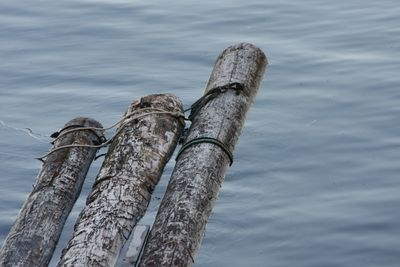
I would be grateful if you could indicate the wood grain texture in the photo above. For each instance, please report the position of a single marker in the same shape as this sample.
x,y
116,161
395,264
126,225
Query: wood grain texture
x,y
33,237
123,187
199,171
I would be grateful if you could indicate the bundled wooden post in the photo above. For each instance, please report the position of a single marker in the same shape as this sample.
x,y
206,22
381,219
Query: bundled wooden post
x,y
134,163
217,120
34,235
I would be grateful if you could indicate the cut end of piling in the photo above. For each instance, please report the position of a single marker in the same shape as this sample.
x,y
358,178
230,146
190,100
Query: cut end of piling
x,y
83,122
241,63
166,101
246,46
161,103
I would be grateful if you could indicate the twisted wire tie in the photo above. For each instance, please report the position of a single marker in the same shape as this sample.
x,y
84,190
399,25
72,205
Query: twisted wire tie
x,y
198,105
209,140
210,95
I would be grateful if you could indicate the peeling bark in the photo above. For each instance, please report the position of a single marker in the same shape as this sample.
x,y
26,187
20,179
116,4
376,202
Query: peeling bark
x,y
123,187
199,171
35,233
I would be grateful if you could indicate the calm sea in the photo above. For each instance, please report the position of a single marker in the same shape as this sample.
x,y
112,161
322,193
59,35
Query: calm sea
x,y
316,176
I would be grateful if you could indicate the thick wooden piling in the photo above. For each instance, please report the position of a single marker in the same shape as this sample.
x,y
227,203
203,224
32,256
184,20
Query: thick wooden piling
x,y
34,235
202,162
122,190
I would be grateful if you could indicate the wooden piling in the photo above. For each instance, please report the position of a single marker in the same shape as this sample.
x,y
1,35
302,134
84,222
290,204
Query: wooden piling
x,y
34,235
202,162
123,187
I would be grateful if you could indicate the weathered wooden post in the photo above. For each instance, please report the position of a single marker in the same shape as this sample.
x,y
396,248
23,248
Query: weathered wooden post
x,y
122,190
34,236
217,120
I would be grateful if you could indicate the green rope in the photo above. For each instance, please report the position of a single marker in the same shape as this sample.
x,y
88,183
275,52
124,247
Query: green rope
x,y
209,140
211,94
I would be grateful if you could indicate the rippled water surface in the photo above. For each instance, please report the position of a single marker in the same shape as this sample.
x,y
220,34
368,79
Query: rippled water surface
x,y
316,175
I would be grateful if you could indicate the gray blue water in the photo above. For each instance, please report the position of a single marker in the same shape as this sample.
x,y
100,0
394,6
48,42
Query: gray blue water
x,y
316,175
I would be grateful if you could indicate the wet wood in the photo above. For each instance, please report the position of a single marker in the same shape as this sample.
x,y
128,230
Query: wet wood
x,y
123,187
34,235
199,171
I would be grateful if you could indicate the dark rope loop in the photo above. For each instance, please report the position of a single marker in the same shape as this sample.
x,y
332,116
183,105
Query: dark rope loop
x,y
101,138
209,140
211,94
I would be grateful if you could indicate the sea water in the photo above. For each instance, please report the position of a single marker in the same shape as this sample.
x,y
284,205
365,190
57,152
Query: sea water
x,y
315,180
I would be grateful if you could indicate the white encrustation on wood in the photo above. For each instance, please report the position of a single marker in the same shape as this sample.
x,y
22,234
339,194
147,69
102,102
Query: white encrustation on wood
x,y
200,169
34,236
123,187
